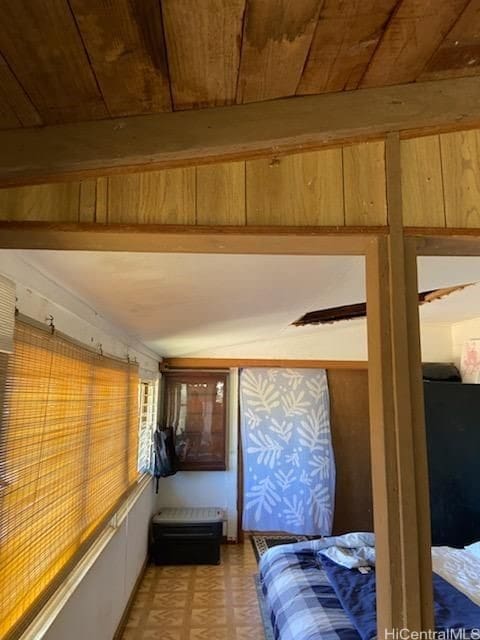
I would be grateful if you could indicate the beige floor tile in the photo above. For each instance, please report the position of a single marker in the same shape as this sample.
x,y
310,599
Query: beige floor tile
x,y
243,598
250,633
209,584
162,618
247,615
199,602
168,585
207,633
214,617
209,598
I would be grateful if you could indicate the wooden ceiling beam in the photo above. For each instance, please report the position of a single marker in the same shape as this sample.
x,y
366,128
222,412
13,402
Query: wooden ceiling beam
x,y
151,142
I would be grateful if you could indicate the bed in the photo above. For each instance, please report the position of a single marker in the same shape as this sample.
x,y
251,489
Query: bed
x,y
303,604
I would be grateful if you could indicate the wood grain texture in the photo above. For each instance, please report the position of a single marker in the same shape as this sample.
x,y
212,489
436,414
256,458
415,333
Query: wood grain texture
x,y
411,38
166,197
51,202
203,50
125,43
166,140
419,437
459,53
161,238
221,194
349,419
16,110
101,204
87,201
276,39
422,182
42,46
404,588
364,184
345,38
406,376
303,189
461,175
383,448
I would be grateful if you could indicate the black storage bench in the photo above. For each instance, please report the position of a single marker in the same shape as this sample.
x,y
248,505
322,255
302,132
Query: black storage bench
x,y
186,536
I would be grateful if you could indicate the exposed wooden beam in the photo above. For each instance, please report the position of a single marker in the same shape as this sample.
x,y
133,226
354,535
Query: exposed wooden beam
x,y
465,242
188,239
398,443
140,143
227,363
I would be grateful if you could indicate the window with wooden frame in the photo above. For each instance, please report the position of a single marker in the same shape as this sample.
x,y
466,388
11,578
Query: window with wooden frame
x,y
195,405
68,451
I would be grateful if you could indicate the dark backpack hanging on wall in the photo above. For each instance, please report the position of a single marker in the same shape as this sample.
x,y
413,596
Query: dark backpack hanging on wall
x,y
165,457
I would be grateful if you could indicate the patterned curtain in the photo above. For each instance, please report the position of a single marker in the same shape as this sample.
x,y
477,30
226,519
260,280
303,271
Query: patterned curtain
x,y
289,468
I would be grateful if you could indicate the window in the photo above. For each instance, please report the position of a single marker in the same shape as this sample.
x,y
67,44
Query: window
x,y
195,406
147,404
68,452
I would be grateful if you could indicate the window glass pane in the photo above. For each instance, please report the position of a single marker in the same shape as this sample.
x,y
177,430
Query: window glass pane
x,y
195,406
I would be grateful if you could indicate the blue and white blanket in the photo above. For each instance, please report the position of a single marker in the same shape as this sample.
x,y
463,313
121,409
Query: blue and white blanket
x,y
300,597
305,585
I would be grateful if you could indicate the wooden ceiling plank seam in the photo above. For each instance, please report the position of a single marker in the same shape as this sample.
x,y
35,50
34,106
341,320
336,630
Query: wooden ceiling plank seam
x,y
124,42
277,38
203,43
466,27
15,98
309,51
344,42
242,41
88,57
393,13
413,33
49,60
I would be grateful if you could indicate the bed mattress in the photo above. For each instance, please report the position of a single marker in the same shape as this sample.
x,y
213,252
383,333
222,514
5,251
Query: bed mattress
x,y
303,605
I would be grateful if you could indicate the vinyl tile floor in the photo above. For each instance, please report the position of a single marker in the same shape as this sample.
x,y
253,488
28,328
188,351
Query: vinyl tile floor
x,y
199,602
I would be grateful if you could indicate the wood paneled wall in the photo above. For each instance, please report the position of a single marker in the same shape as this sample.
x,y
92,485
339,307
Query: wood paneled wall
x,y
333,187
349,419
329,187
441,180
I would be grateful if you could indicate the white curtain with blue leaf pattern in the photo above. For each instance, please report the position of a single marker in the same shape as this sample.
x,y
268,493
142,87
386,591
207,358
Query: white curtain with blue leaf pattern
x,y
289,467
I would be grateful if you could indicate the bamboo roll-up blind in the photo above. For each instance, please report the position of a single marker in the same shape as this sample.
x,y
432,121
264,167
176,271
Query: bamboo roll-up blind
x,y
68,454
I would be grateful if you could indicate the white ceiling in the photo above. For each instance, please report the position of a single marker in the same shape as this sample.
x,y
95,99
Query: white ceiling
x,y
184,304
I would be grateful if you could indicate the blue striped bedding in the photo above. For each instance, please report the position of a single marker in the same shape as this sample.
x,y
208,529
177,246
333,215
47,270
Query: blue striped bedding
x,y
300,597
297,584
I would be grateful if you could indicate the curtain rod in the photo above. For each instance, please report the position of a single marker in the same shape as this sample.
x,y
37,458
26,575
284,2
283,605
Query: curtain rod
x,y
48,327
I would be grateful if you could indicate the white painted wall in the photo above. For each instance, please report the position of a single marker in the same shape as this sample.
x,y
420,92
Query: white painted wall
x,y
342,341
461,332
210,488
96,607
40,297
436,341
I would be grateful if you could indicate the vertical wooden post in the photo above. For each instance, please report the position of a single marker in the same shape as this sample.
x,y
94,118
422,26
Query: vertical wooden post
x,y
399,467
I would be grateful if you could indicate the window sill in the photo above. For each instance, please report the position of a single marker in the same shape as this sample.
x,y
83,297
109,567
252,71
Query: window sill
x,y
45,618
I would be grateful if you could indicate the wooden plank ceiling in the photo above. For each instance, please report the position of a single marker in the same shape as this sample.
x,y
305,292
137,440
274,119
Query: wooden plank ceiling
x,y
73,60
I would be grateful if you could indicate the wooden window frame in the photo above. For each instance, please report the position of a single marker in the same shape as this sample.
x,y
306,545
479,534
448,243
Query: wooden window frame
x,y
199,376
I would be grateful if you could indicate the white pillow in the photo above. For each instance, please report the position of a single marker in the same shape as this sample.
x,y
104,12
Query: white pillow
x,y
474,549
